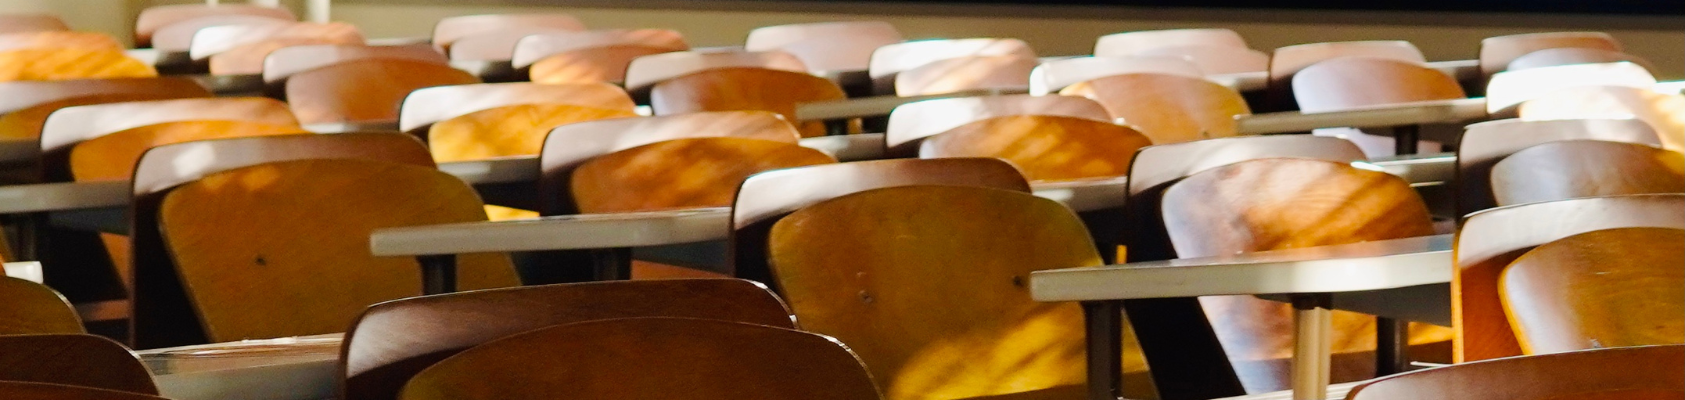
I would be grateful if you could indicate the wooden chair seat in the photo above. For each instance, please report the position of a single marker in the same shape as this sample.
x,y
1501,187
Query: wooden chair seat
x,y
71,125
496,46
69,64
644,72
1485,144
1586,168
427,106
1496,53
285,62
448,30
178,37
113,156
961,74
1167,108
1505,91
154,18
910,123
33,308
593,64
739,89
1045,148
47,391
28,122
1286,62
704,172
1582,375
1135,43
367,90
73,359
1354,82
534,48
517,130
1609,288
826,46
890,60
1572,56
1052,76
241,49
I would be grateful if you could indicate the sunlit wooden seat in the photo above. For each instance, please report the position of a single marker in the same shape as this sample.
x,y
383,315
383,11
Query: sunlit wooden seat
x,y
1167,108
1573,55
48,391
466,122
1586,168
16,23
1045,148
393,341
1286,62
1485,144
73,359
1608,288
746,89
961,74
1356,82
33,308
826,46
154,18
910,123
364,91
1662,111
1134,43
590,56
1053,75
891,60
1505,91
1590,374
241,49
58,40
704,172
1496,53
644,358
287,61
644,72
38,64
448,30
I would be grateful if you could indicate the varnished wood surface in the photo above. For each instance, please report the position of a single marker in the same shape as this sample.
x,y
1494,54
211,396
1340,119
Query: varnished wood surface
x,y
1664,112
451,29
47,391
1608,288
680,173
1137,42
516,130
33,308
737,88
1497,52
73,359
959,74
15,96
644,72
241,49
364,90
1053,75
826,46
114,156
58,40
424,107
393,341
1603,374
28,122
1167,108
178,37
1360,81
1287,61
18,23
1509,89
71,125
154,18
910,123
288,61
1044,148
497,45
1586,168
892,59
1574,55
533,48
1485,144
642,358
1218,60
70,63
594,64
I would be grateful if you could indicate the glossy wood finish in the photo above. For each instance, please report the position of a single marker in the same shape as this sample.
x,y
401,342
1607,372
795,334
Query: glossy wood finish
x,y
1662,111
113,156
517,130
154,18
366,90
71,125
68,64
16,96
47,391
1591,374
1574,55
1485,144
1051,76
1137,42
1359,81
1044,148
534,48
1586,168
1608,288
1288,61
590,65
1167,108
910,123
29,121
1217,60
890,60
642,358
178,37
427,106
451,29
826,46
58,40
288,61
73,359
703,172
241,49
1508,89
646,71
1497,52
1491,239
496,46
745,89
963,321
393,341
18,23
33,308
959,74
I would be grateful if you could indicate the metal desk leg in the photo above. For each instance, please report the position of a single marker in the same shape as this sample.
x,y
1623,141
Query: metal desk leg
x,y
612,264
1104,324
1392,346
1313,333
438,274
1405,139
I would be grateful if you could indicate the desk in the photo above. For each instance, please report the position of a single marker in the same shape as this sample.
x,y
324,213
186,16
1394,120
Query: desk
x,y
303,368
1309,275
1427,112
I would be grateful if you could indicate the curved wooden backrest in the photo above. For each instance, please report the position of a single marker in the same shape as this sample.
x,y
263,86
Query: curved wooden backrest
x,y
1167,108
1497,52
305,269
1572,56
364,90
590,65
826,46
287,61
680,173
889,60
959,74
1135,43
216,40
178,37
33,308
646,71
58,40
1353,82
1287,61
919,259
451,29
48,391
498,45
73,359
16,23
71,125
393,341
633,358
1586,168
29,121
1216,60
1485,144
70,64
1609,288
1051,76
427,106
1510,88
516,130
152,19
1589,374
532,48
1489,240
745,89
1664,112
112,157
910,123
15,96
765,197
1044,147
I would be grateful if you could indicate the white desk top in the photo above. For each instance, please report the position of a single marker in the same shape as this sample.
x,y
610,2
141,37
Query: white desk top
x,y
304,368
1387,264
1444,111
41,197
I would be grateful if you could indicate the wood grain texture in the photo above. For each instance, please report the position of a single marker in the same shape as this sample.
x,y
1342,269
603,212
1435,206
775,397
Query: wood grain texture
x,y
910,123
114,156
680,173
28,122
1603,374
19,23
1167,108
451,29
1360,81
735,89
33,308
931,294
826,46
424,107
393,341
73,359
517,130
1137,42
1586,168
1664,112
364,90
154,18
594,64
1044,148
533,48
1287,61
1217,60
285,62
72,125
308,270
47,391
1608,288
1497,52
68,64
642,358
961,74
58,40
1485,144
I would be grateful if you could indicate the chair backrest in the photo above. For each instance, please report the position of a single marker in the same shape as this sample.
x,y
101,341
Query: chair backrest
x,y
680,173
1353,82
1609,288
1586,168
178,37
33,308
71,125
516,130
152,19
287,61
70,64
1484,144
745,89
644,72
1288,61
58,40
910,123
498,45
890,60
643,358
960,74
1497,52
1490,240
1590,374
451,29
13,23
765,197
364,90
532,48
1044,147
1135,43
1167,108
36,101
428,106
112,157
1572,56
48,391
826,46
592,64
1661,111
1051,76
1511,88
1216,60
73,359
241,49
393,341
919,259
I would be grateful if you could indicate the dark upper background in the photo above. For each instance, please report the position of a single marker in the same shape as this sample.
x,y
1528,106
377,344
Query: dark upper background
x,y
1669,7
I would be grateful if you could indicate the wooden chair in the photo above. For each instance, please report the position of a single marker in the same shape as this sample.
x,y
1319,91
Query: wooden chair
x,y
27,105
58,40
1286,62
1216,60
1045,148
826,46
70,126
285,62
961,74
497,45
1497,52
1586,168
1591,374
113,156
1659,110
393,341
890,60
1167,108
1507,90
467,122
1490,240
910,123
644,72
241,49
428,106
590,56
707,172
368,90
568,146
154,18
1051,76
746,89
451,29
1356,82
18,23
178,37
73,359
642,358
33,308
70,64
1608,288
1280,203
1572,56
1485,144
48,391
966,324
1135,43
